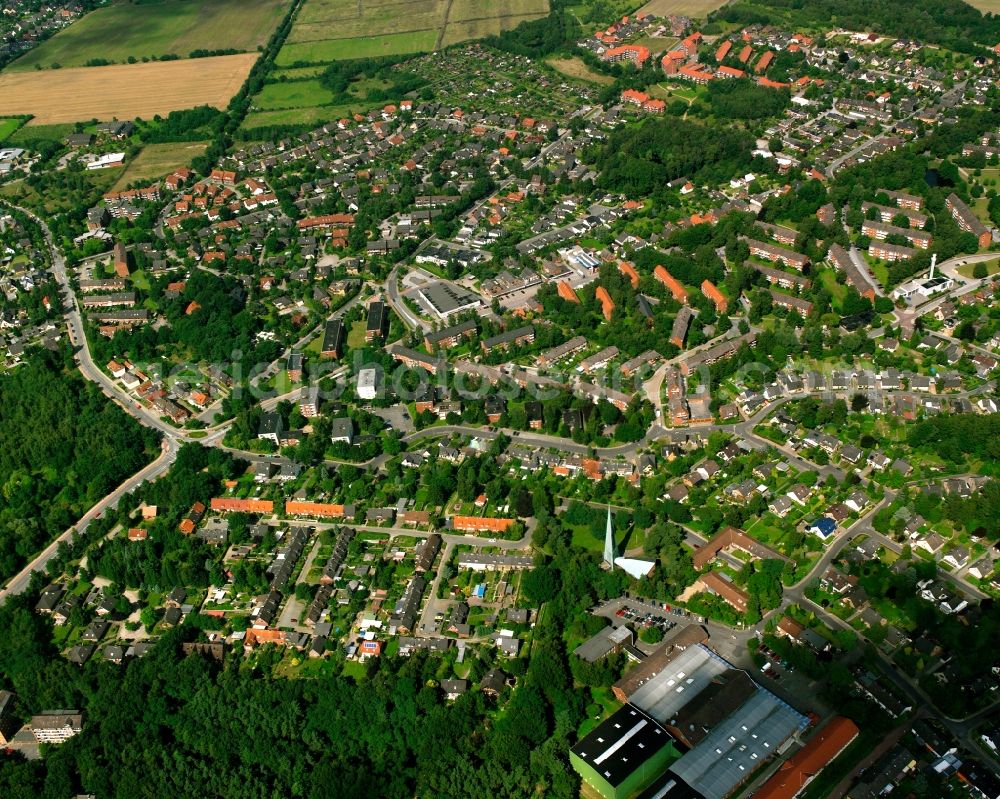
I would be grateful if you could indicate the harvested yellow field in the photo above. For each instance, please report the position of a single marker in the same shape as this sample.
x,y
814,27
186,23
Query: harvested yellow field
x,y
986,6
687,8
123,91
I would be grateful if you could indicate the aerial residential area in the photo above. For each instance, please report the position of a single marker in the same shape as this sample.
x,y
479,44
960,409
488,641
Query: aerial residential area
x,y
500,399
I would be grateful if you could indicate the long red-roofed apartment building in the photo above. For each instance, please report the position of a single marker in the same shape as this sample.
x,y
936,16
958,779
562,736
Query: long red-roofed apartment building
x,y
672,283
477,524
629,271
800,769
236,505
607,304
317,509
565,290
709,289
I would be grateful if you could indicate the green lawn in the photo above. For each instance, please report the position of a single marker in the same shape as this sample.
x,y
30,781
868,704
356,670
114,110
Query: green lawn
x,y
311,115
362,47
292,94
992,267
296,73
838,291
30,133
177,27
9,125
881,272
356,335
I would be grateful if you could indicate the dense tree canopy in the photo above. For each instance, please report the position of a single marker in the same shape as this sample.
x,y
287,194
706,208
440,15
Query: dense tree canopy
x,y
64,447
640,160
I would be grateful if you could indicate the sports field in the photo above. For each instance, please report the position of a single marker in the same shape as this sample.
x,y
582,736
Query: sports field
x,y
689,8
177,27
123,91
331,30
157,160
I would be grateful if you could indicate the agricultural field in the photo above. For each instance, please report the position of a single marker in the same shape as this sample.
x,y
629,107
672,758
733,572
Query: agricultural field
x,y
157,160
329,30
575,67
986,6
374,46
177,27
688,8
123,91
465,30
326,31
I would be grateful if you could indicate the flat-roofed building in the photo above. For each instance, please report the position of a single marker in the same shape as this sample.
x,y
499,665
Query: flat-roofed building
x,y
377,323
604,643
739,745
333,339
367,385
448,299
623,754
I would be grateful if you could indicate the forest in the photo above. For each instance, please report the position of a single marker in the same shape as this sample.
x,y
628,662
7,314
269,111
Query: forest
x,y
951,23
227,730
640,160
958,437
64,447
340,75
744,99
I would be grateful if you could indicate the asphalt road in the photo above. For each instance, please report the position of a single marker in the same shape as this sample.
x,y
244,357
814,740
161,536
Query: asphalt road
x,y
20,581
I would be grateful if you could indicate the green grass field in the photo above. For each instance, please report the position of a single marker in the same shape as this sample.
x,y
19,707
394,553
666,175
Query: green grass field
x,y
292,94
297,73
159,28
992,267
9,126
312,115
363,47
30,133
838,291
330,30
157,160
